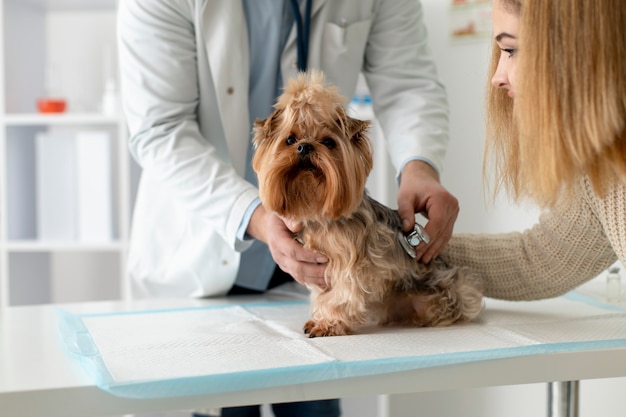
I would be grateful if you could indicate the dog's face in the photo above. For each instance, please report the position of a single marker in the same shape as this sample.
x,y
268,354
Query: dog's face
x,y
311,159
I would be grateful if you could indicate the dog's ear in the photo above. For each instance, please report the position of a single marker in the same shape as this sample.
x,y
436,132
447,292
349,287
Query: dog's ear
x,y
259,132
358,137
263,127
357,129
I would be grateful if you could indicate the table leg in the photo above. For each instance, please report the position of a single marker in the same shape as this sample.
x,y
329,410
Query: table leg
x,y
563,399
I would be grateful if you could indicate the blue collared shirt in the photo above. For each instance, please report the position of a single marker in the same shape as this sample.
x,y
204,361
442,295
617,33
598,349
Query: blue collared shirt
x,y
269,23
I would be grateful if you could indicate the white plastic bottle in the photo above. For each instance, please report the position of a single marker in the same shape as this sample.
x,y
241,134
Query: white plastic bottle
x,y
613,285
109,105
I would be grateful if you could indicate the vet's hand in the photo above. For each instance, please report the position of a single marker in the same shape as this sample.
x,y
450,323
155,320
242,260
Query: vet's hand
x,y
421,192
305,266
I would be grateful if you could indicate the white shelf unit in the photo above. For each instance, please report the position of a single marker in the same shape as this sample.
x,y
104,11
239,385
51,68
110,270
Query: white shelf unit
x,y
75,41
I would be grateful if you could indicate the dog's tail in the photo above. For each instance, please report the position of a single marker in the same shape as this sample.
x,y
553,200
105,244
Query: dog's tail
x,y
458,298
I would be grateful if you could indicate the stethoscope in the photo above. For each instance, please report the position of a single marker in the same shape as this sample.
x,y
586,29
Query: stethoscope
x,y
302,26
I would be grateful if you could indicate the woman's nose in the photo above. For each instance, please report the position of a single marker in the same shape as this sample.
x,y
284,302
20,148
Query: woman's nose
x,y
500,78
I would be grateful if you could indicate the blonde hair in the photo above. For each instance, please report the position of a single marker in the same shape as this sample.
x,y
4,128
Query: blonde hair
x,y
568,118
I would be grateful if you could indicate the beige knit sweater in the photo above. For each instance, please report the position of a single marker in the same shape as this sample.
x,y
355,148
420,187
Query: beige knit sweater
x,y
569,245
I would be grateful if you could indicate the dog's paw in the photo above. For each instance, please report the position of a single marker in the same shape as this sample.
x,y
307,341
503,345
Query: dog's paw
x,y
322,329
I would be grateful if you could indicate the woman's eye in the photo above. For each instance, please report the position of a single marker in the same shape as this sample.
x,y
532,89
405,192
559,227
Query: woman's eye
x,y
510,51
291,140
329,143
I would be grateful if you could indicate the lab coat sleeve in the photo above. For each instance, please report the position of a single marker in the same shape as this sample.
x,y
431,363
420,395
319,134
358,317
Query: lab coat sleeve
x,y
409,100
159,79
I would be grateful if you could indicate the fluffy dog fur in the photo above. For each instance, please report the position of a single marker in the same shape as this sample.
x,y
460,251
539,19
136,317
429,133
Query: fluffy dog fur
x,y
312,162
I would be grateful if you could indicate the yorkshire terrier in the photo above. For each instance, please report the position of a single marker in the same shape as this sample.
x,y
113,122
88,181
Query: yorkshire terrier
x,y
312,161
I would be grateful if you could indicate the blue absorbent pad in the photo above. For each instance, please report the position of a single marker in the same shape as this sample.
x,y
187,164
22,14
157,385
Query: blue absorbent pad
x,y
215,349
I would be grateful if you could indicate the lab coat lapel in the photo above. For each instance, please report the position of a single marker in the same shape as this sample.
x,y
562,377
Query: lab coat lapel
x,y
225,36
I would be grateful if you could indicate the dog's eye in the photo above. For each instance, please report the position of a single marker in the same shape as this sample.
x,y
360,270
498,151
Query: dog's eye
x,y
329,143
291,140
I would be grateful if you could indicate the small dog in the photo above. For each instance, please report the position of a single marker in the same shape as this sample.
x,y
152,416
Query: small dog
x,y
312,161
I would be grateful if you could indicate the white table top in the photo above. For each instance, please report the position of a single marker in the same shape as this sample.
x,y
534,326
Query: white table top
x,y
37,378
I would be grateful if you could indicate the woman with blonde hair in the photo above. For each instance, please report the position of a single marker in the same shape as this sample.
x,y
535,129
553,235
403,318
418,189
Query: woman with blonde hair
x,y
556,124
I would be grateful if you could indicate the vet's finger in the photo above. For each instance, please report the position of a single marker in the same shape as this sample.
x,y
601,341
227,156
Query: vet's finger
x,y
309,274
315,276
406,211
293,225
302,254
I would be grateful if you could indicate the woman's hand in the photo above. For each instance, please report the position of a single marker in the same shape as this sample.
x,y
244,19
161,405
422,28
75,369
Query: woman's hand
x,y
421,192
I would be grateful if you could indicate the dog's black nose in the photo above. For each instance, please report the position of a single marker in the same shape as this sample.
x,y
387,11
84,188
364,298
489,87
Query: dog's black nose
x,y
304,149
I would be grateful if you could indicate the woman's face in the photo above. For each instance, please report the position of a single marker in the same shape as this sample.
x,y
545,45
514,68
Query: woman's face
x,y
505,31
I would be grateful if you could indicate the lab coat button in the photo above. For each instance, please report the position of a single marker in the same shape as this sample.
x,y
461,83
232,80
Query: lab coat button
x,y
230,91
224,262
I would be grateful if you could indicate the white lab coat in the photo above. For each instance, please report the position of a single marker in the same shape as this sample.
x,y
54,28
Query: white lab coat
x,y
184,81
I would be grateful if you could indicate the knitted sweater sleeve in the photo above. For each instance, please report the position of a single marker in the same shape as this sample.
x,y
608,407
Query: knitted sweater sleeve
x,y
567,247
611,212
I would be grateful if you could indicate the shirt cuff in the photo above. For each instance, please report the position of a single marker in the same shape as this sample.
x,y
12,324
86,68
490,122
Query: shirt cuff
x,y
245,221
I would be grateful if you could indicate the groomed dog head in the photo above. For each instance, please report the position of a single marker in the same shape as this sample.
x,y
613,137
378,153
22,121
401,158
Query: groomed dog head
x,y
312,160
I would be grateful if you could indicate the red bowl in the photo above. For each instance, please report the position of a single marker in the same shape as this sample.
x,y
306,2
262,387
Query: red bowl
x,y
51,105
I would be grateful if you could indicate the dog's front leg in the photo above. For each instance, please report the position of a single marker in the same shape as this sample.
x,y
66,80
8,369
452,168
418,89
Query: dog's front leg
x,y
329,317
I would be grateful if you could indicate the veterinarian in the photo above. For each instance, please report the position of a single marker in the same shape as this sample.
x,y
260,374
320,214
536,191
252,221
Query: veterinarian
x,y
556,135
195,74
